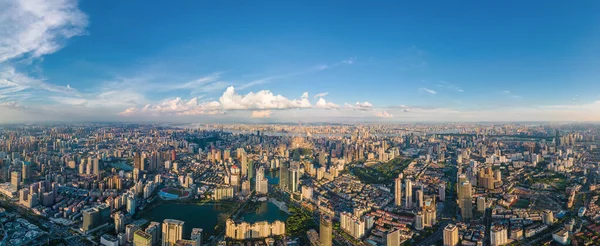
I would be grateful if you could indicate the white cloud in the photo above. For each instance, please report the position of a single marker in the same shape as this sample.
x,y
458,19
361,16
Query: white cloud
x,y
323,94
261,114
33,28
230,100
265,99
322,103
430,91
360,106
383,114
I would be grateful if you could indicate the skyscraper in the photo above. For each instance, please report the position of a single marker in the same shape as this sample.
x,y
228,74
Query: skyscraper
x,y
283,176
294,178
119,222
398,192
172,230
15,179
464,200
325,231
261,181
450,235
420,197
408,193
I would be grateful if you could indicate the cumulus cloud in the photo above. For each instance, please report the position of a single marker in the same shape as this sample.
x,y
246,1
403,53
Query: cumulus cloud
x,y
323,94
383,114
360,106
265,99
322,103
261,114
33,28
430,91
230,100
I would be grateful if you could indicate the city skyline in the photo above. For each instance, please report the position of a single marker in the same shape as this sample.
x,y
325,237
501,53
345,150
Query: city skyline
x,y
272,62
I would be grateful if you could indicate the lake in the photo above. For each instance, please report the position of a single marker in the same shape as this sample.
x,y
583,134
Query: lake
x,y
208,216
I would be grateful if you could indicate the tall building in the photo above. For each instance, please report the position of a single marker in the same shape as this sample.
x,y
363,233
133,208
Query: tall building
x,y
498,235
197,236
352,225
142,238
294,178
325,231
261,182
130,230
172,230
464,200
408,193
15,179
393,238
154,230
119,222
548,217
450,235
95,217
283,176
420,197
131,204
419,221
442,192
398,192
26,170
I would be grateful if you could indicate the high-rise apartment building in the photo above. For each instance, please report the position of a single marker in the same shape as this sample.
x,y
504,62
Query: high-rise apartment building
x,y
450,235
172,230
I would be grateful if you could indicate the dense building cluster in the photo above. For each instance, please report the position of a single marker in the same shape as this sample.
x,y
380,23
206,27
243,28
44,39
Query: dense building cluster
x,y
359,184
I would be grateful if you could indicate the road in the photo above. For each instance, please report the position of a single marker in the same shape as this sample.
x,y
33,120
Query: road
x,y
436,236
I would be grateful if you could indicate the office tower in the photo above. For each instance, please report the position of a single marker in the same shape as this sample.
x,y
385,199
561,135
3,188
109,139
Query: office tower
x,y
498,235
408,193
398,191
119,222
141,238
94,217
15,179
197,236
548,217
393,238
130,230
172,230
261,182
325,231
250,169
283,176
450,235
464,200
294,177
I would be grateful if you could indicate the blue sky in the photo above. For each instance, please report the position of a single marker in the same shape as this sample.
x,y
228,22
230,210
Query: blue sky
x,y
242,61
